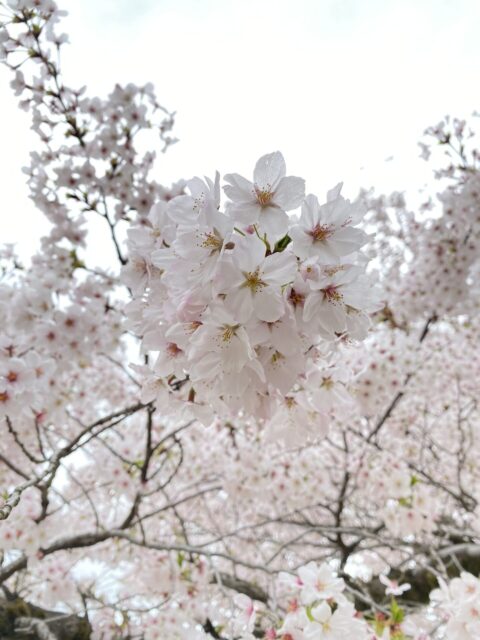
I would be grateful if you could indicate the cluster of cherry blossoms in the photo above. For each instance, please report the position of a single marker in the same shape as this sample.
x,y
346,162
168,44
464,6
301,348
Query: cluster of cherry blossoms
x,y
245,306
434,248
411,507
459,604
317,608
89,166
50,331
314,605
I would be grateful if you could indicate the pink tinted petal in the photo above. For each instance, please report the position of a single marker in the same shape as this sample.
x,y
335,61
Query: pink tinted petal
x,y
242,601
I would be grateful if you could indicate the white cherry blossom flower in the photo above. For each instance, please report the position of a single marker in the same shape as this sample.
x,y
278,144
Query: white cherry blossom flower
x,y
265,201
337,625
319,582
327,231
244,620
336,288
220,346
393,588
253,283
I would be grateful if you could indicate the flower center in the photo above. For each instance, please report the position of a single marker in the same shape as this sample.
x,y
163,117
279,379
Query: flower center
x,y
193,326
332,294
228,332
173,350
327,383
4,396
139,265
293,606
264,196
321,232
212,241
12,376
331,270
276,357
296,298
253,281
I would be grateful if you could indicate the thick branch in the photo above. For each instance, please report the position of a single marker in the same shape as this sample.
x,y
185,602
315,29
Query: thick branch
x,y
19,618
253,591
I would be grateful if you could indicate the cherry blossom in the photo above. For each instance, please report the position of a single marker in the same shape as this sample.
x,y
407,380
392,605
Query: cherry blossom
x,y
264,202
393,588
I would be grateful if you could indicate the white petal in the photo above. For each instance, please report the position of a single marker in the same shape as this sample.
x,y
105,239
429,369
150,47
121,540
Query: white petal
x,y
332,317
310,212
181,210
227,277
239,189
274,222
249,253
269,305
244,213
279,268
240,304
269,170
335,192
301,242
348,240
290,193
311,306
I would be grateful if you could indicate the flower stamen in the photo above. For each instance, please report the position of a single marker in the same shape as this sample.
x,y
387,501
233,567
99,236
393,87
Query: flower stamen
x,y
253,281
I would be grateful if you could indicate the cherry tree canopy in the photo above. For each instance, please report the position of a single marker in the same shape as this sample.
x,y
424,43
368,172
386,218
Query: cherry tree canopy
x,y
261,419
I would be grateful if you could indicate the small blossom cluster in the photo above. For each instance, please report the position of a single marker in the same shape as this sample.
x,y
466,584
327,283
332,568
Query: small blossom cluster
x,y
414,512
245,306
90,165
407,505
49,332
316,609
436,247
381,367
459,603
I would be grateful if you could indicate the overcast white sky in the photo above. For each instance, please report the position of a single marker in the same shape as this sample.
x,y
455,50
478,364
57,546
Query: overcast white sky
x,y
337,85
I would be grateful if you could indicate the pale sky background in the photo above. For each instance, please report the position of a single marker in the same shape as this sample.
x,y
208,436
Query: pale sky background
x,y
338,86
